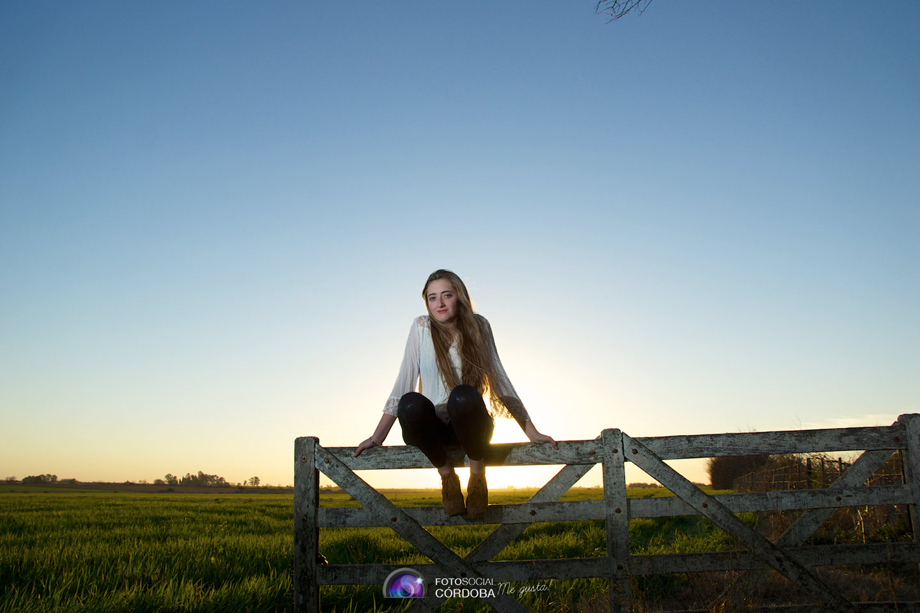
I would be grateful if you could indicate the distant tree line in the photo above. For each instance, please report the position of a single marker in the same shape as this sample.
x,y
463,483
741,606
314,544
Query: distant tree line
x,y
202,479
41,479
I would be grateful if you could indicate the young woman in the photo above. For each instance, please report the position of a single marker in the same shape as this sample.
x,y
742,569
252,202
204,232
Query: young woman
x,y
451,357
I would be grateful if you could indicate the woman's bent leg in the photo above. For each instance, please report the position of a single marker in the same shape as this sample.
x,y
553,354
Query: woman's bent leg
x,y
470,420
473,426
422,428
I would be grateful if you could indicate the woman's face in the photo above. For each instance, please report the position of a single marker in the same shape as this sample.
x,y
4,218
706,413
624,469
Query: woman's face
x,y
442,300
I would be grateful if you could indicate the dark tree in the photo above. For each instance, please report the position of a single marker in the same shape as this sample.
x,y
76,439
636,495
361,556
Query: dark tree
x,y
33,479
724,470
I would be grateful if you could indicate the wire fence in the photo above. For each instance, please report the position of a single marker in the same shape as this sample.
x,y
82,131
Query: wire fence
x,y
794,472
863,523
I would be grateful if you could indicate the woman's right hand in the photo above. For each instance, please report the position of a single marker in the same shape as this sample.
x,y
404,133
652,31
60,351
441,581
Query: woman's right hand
x,y
536,436
364,445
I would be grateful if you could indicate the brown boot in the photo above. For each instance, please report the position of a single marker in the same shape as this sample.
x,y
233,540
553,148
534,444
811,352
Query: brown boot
x,y
477,496
451,495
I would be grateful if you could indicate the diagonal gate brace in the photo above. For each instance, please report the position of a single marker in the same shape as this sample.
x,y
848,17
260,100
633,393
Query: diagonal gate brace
x,y
720,515
809,521
499,538
405,526
857,474
493,544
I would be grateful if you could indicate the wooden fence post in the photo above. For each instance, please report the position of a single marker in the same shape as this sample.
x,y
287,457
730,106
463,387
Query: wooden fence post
x,y
306,525
617,515
911,468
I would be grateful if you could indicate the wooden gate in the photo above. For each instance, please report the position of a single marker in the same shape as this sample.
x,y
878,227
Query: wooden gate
x,y
787,555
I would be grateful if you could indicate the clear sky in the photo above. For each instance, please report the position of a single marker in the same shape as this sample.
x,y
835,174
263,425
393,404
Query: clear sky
x,y
216,219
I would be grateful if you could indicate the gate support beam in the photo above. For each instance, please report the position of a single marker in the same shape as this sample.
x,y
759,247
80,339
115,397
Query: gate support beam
x,y
721,516
306,525
617,512
406,526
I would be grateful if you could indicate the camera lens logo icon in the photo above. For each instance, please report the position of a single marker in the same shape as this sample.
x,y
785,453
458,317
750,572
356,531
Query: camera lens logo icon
x,y
404,583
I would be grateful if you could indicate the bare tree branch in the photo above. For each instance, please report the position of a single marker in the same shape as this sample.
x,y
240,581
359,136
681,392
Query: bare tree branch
x,y
614,9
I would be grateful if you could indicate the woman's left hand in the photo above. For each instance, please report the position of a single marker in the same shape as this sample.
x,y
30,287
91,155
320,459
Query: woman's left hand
x,y
368,444
536,437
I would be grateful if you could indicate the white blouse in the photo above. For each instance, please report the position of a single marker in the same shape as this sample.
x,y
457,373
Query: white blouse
x,y
419,366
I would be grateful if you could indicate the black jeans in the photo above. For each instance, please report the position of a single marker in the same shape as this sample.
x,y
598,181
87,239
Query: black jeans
x,y
470,424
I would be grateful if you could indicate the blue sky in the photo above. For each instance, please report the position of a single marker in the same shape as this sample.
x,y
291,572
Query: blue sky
x,y
216,219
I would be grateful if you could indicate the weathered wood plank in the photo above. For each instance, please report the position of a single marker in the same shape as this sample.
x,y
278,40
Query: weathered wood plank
x,y
509,514
822,555
665,447
512,571
616,514
499,538
787,500
511,519
643,457
306,525
581,568
586,510
911,463
783,441
425,605
500,454
404,525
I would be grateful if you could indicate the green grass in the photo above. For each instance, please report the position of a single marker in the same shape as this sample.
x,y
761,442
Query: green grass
x,y
95,551
102,551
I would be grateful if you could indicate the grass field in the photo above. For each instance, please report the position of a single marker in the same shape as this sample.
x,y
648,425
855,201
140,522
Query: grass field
x,y
103,551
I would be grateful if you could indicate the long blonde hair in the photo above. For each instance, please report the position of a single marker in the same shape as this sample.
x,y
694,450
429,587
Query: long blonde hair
x,y
475,351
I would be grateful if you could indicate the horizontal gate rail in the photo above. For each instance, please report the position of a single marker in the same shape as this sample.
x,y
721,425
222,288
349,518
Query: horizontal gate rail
x,y
531,513
788,554
658,564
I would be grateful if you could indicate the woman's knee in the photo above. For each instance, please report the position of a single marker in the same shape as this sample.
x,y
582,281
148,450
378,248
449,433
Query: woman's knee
x,y
413,406
466,402
465,394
